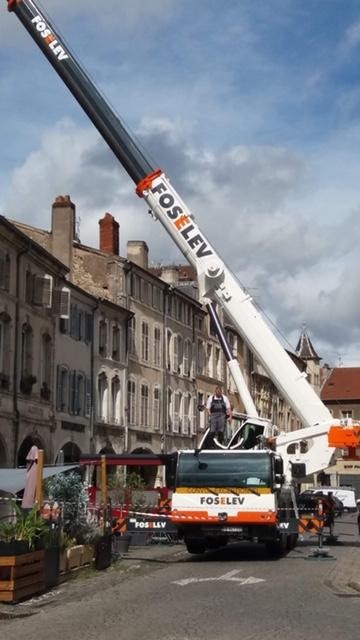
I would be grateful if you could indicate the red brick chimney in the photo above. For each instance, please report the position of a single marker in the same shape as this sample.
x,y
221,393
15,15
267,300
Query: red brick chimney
x,y
109,234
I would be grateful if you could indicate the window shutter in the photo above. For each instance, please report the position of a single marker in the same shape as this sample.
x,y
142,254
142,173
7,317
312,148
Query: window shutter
x,y
88,327
42,291
61,302
72,393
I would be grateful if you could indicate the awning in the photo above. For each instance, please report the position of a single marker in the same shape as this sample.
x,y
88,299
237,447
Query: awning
x,y
13,480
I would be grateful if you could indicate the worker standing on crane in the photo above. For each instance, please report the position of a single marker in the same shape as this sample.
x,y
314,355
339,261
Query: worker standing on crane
x,y
218,409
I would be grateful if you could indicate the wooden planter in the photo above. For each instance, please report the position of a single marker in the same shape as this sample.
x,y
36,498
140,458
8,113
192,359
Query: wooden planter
x,y
21,576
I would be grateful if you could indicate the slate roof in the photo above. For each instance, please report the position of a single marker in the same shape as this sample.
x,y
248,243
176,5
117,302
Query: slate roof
x,y
305,349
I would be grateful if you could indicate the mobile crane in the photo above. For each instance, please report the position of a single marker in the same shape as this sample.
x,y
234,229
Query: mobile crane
x,y
240,491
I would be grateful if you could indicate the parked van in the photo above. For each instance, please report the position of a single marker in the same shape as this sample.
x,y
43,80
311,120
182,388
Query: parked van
x,y
345,494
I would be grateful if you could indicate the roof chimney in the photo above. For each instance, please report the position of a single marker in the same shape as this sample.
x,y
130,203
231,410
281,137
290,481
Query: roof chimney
x,y
138,252
63,229
109,234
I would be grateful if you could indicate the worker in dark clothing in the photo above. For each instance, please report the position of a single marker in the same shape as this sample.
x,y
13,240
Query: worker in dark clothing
x,y
329,511
218,409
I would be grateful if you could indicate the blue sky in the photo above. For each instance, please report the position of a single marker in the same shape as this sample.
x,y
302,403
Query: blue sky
x,y
251,107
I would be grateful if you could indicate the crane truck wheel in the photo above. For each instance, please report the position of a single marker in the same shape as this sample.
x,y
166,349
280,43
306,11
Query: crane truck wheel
x,y
292,541
195,546
277,548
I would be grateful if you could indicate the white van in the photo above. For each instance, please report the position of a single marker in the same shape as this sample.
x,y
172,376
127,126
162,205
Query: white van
x,y
345,494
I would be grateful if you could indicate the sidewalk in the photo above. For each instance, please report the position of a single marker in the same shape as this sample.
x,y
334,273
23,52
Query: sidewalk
x,y
344,574
85,582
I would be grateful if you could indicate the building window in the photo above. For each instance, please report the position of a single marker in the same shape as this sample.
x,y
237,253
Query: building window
x,y
135,286
157,346
177,412
209,360
28,286
187,358
46,366
132,336
103,397
62,389
156,408
116,343
186,414
200,365
217,363
145,341
5,267
201,409
194,413
168,349
170,410
5,345
175,359
144,406
131,400
146,292
103,338
346,414
26,350
115,400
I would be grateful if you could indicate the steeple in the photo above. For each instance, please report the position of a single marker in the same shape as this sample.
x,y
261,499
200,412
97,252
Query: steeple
x,y
305,349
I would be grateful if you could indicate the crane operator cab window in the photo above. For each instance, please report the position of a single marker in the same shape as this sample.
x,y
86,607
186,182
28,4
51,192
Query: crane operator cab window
x,y
248,436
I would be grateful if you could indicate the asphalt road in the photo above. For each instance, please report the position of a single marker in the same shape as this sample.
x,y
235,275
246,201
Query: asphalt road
x,y
234,593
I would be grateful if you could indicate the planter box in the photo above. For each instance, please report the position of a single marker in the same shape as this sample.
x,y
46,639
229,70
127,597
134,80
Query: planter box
x,y
14,548
63,561
74,557
21,576
88,554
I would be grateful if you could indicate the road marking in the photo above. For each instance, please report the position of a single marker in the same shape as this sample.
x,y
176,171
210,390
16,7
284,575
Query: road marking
x,y
231,576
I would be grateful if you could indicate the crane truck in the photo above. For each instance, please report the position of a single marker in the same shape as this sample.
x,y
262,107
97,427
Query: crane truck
x,y
243,491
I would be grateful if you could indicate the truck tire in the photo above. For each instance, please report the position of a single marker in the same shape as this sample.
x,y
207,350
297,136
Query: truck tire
x,y
195,546
292,541
277,548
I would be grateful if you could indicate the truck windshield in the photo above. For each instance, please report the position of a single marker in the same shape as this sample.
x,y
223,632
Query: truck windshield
x,y
217,469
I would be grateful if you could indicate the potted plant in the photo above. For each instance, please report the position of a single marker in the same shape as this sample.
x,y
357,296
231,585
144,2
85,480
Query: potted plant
x,y
22,555
68,490
23,533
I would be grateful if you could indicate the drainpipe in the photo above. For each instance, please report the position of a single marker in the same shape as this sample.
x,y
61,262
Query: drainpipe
x,y
16,353
167,294
126,408
92,380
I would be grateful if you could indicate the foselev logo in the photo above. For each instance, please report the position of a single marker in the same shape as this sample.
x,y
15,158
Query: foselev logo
x,y
49,38
182,221
223,500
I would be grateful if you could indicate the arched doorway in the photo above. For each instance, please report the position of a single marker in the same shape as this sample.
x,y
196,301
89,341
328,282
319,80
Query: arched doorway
x,y
70,453
148,474
25,447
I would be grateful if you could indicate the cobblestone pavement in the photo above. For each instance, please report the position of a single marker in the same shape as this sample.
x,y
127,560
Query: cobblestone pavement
x,y
344,574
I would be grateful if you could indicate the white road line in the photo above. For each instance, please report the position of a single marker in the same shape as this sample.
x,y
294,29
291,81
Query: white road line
x,y
231,576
